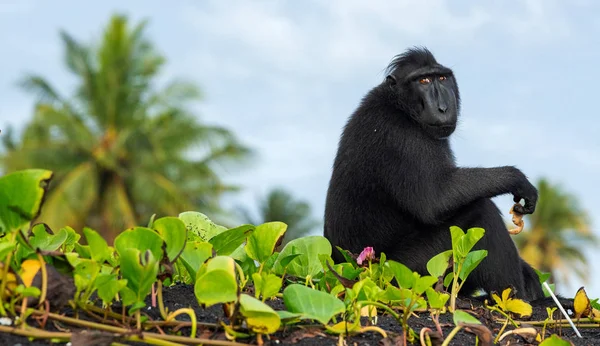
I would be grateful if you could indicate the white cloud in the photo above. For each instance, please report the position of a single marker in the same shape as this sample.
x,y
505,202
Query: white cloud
x,y
334,36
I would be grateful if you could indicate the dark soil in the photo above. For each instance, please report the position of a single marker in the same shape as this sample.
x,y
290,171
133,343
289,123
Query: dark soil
x,y
180,296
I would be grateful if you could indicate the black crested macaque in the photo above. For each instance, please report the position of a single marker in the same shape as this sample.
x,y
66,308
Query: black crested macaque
x,y
395,185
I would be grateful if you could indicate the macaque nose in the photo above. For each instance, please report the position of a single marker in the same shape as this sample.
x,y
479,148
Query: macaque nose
x,y
442,108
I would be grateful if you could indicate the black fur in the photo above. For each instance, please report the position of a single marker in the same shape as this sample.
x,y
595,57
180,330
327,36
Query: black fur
x,y
395,185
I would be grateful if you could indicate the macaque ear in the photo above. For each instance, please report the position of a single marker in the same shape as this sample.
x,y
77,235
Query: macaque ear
x,y
391,80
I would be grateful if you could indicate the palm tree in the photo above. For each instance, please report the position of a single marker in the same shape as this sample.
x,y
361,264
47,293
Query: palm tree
x,y
280,205
121,150
556,234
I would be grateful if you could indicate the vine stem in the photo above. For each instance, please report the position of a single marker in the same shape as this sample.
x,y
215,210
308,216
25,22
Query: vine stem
x,y
382,306
161,304
42,334
451,335
113,329
190,313
44,278
5,273
595,323
500,332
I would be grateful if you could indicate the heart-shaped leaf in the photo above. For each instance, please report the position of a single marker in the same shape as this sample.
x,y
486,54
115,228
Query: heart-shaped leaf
x,y
308,249
260,317
217,281
140,270
262,241
199,226
194,255
174,233
142,239
99,249
227,242
312,304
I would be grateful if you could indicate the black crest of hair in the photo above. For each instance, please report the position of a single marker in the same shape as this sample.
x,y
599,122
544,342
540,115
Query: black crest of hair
x,y
395,184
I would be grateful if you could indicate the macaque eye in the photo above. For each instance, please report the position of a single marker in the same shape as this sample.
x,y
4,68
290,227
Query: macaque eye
x,y
425,80
442,77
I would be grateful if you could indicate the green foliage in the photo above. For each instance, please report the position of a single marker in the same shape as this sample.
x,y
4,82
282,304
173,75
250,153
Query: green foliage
x,y
460,316
173,232
305,261
45,241
194,254
200,226
260,317
464,260
99,250
29,186
438,264
267,285
312,304
555,340
262,242
140,269
219,262
217,282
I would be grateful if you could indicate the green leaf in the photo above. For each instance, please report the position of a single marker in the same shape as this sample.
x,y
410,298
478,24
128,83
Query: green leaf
x,y
260,317
466,243
347,257
216,282
99,249
471,262
108,286
72,239
262,241
5,248
438,264
270,262
194,255
312,304
542,276
127,296
85,273
555,340
136,306
45,241
21,195
448,279
424,282
267,285
140,270
402,273
464,317
307,262
227,242
457,234
142,239
286,260
200,226
174,233
83,251
288,317
437,300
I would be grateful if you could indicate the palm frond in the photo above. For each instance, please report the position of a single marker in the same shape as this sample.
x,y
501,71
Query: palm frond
x,y
69,202
41,88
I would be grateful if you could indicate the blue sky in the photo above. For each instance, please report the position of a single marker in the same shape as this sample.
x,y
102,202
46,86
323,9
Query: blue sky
x,y
285,75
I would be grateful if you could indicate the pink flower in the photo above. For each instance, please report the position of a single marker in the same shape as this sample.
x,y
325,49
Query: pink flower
x,y
367,254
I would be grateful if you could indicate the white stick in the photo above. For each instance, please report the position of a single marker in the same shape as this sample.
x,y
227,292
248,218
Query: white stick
x,y
561,308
